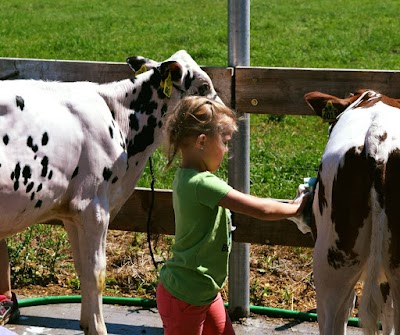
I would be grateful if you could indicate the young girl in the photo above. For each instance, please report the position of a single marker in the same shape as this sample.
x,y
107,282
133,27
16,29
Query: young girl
x,y
188,297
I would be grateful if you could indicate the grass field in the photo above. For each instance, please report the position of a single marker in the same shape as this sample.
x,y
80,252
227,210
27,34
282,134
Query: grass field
x,y
359,34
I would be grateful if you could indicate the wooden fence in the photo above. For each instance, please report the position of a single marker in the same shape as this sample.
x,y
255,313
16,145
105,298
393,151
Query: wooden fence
x,y
253,90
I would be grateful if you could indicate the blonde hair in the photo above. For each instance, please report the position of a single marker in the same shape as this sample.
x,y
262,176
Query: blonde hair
x,y
193,116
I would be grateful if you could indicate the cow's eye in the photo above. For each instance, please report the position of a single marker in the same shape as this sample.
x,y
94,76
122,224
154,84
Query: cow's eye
x,y
204,89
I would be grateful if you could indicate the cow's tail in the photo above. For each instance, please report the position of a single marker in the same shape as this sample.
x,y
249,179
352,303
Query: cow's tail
x,y
372,301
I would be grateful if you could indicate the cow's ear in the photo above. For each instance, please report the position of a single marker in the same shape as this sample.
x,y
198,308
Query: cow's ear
x,y
328,107
140,64
171,73
173,69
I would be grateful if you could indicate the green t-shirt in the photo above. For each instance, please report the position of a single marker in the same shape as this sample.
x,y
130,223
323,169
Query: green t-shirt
x,y
199,266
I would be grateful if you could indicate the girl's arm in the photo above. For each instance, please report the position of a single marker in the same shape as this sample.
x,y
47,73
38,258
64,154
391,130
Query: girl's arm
x,y
262,208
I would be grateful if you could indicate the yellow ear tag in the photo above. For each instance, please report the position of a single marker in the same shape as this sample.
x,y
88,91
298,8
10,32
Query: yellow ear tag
x,y
141,70
329,112
167,85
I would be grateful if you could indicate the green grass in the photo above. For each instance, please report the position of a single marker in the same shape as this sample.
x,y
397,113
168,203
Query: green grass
x,y
111,31
359,34
322,33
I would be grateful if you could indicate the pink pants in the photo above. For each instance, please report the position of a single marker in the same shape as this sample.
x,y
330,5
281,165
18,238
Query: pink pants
x,y
181,318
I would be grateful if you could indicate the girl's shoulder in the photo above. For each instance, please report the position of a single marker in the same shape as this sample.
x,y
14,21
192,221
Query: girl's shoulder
x,y
193,176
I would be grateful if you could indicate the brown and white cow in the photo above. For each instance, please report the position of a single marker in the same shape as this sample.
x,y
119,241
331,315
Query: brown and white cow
x,y
75,151
357,212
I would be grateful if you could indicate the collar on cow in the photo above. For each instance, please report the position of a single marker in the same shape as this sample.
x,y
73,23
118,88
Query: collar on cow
x,y
179,89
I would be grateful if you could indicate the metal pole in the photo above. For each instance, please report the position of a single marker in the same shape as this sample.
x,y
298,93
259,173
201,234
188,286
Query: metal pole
x,y
239,165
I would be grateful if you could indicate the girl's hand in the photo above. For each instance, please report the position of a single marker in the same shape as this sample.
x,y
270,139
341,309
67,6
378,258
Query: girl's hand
x,y
304,199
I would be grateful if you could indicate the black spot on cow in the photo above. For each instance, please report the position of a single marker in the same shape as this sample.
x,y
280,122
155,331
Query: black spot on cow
x,y
114,180
45,166
351,200
379,180
338,258
164,109
382,138
322,203
188,81
20,102
133,122
134,91
111,132
50,175
30,144
5,139
126,94
45,138
15,176
29,187
75,173
33,195
39,188
143,139
160,93
144,103
113,114
385,290
392,200
38,204
107,174
123,140
26,173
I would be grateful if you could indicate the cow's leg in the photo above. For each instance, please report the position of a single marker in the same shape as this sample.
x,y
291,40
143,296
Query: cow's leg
x,y
90,236
392,306
396,312
388,316
73,236
335,293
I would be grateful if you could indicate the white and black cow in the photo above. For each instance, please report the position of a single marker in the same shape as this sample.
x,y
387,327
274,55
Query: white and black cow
x,y
357,212
75,151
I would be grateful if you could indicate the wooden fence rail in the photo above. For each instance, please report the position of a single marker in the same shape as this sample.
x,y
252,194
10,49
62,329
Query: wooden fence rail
x,y
254,90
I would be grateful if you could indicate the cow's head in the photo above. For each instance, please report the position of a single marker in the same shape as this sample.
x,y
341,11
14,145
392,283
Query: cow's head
x,y
180,75
329,107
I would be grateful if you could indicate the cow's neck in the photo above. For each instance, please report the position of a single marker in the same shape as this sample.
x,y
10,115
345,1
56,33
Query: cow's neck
x,y
137,108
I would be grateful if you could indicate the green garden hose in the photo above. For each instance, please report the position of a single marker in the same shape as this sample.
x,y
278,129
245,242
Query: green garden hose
x,y
149,303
